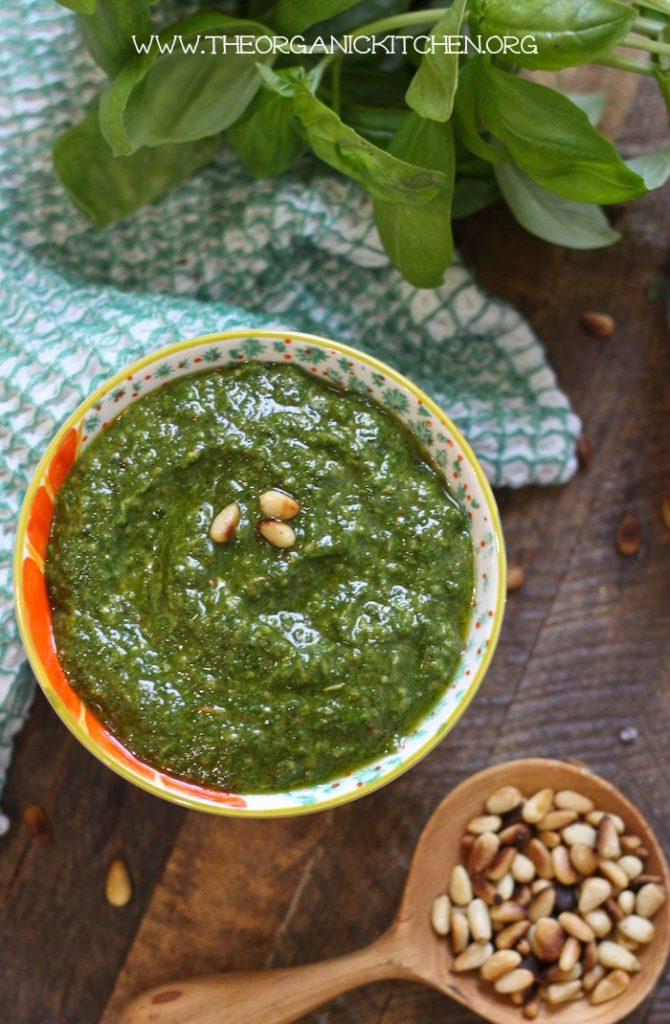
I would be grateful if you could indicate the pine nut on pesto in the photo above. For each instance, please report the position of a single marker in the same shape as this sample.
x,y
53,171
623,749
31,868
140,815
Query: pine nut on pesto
x,y
243,665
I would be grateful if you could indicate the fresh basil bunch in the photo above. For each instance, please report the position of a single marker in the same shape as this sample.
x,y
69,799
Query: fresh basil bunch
x,y
431,139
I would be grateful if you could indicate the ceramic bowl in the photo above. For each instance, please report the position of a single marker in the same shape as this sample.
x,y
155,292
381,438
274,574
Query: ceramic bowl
x,y
341,366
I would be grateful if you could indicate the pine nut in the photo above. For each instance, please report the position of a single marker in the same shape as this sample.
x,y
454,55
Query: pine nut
x,y
639,929
561,992
441,914
649,899
610,987
505,887
624,941
508,912
543,904
589,956
583,859
608,845
614,956
562,866
531,1009
508,937
278,505
599,922
614,874
537,806
523,869
502,962
482,852
626,901
516,981
474,956
554,973
118,887
592,977
225,523
484,823
485,890
460,931
581,833
613,910
595,817
630,843
541,858
575,926
501,863
479,921
569,800
460,887
279,534
633,866
570,954
549,938
522,895
550,839
504,799
516,835
556,820
594,892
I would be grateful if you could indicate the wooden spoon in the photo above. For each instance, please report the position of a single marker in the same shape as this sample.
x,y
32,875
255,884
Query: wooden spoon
x,y
410,949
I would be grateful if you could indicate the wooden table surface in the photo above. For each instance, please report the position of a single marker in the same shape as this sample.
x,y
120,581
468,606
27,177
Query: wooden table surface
x,y
584,654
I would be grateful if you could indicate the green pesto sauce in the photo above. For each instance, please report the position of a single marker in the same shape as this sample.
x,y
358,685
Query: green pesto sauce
x,y
240,665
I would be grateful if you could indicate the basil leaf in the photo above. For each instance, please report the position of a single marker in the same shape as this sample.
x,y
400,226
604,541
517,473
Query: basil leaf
x,y
265,138
108,32
591,103
376,124
654,167
552,140
383,175
108,188
431,92
662,77
557,220
566,32
182,96
292,16
362,11
472,195
418,239
78,6
465,113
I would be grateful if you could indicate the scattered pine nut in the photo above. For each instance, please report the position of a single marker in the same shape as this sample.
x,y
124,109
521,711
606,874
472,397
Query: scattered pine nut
x,y
118,887
596,324
665,511
36,819
515,578
628,535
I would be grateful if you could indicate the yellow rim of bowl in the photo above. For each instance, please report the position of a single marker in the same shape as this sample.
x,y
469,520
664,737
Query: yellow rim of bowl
x,y
200,803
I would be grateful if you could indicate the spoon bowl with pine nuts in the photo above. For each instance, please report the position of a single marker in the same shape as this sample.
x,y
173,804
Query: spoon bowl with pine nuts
x,y
477,947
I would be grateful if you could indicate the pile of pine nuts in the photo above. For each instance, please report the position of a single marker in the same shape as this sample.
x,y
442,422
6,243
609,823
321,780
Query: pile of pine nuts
x,y
552,902
275,506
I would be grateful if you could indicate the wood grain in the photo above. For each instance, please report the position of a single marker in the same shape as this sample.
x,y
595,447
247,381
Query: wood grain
x,y
583,654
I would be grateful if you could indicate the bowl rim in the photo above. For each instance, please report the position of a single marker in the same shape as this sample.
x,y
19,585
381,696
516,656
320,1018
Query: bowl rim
x,y
203,803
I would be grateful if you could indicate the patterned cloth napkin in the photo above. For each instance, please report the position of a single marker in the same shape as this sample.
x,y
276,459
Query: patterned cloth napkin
x,y
221,252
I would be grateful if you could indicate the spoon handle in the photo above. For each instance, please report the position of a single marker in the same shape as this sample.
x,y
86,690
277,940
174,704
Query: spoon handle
x,y
258,997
